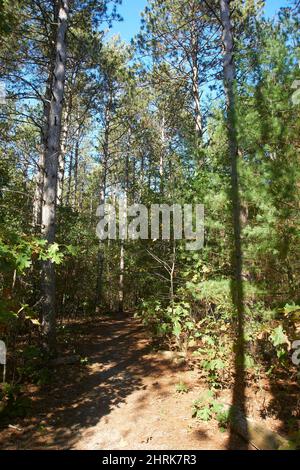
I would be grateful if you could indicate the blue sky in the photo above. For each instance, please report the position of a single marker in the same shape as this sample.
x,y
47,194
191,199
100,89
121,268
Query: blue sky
x,y
130,10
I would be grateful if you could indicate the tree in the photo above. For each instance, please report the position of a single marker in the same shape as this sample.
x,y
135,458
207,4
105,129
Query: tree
x,y
52,149
182,36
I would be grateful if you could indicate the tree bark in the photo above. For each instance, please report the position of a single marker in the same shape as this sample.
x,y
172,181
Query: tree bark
x,y
39,189
195,75
62,157
121,277
106,144
76,164
162,155
50,177
38,193
196,96
238,397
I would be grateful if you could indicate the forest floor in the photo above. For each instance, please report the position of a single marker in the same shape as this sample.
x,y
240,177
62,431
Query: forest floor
x,y
122,396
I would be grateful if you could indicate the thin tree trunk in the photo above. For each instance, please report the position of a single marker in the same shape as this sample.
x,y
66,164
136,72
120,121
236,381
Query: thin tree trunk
x,y
50,178
76,164
196,98
100,256
195,81
162,155
82,186
68,195
38,194
100,267
62,156
172,271
122,246
39,189
121,277
142,176
238,397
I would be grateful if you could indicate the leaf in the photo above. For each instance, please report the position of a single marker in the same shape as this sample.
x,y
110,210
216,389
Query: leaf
x,y
204,414
217,364
217,407
23,261
177,329
208,340
54,254
34,321
278,336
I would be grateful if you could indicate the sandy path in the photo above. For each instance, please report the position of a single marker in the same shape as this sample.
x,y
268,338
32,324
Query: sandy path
x,y
123,398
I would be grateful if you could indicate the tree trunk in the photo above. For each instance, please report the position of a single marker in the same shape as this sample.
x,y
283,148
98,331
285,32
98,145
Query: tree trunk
x,y
196,98
100,264
38,193
76,163
106,143
50,177
121,277
39,189
162,156
238,398
62,157
70,171
195,80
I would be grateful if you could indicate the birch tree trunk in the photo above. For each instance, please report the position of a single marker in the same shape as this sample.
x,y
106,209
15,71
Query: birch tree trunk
x,y
50,177
238,398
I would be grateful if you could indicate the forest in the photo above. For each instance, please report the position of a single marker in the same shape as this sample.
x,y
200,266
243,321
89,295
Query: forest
x,y
125,336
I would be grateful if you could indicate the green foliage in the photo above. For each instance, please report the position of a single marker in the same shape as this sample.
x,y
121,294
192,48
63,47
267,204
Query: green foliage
x,y
207,407
33,366
280,341
129,129
166,322
12,403
18,252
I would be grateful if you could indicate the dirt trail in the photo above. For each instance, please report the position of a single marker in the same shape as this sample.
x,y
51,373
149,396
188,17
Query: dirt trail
x,y
123,398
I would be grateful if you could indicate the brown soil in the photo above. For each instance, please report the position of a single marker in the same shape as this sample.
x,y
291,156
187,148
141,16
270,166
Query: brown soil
x,y
123,398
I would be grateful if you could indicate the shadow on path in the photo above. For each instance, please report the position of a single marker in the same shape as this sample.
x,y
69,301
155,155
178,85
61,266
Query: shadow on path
x,y
81,395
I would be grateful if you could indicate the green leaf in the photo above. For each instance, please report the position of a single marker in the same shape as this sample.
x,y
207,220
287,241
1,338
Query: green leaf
x,y
177,329
54,254
23,261
204,414
278,336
